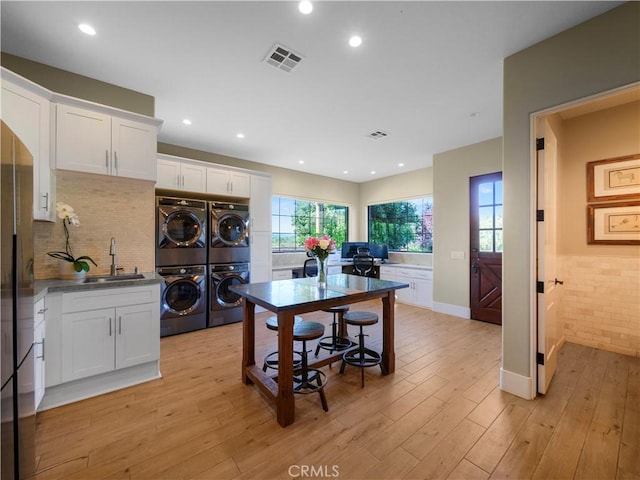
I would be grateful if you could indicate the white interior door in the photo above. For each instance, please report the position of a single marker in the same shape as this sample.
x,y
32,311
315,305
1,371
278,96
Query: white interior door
x,y
547,311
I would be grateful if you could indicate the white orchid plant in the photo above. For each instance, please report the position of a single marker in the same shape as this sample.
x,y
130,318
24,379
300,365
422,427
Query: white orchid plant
x,y
69,217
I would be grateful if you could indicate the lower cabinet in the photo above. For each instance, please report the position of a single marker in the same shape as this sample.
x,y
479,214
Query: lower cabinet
x,y
420,290
99,341
38,345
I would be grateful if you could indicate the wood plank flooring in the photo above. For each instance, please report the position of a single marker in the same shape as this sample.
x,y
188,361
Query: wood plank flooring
x,y
440,415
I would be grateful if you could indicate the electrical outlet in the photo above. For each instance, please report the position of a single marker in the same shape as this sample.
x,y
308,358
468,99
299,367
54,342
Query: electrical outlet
x,y
457,254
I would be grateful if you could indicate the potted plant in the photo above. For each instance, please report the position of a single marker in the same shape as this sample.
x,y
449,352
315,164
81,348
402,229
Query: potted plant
x,y
77,266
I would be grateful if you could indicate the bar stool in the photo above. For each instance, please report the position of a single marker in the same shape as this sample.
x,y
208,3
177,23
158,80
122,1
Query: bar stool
x,y
335,342
271,360
309,380
361,356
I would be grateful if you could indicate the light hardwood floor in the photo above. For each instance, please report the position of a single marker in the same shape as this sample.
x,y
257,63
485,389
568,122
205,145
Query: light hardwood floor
x,y
440,415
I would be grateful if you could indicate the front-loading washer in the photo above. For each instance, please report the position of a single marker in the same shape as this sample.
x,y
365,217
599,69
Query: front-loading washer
x,y
229,232
225,305
183,299
181,231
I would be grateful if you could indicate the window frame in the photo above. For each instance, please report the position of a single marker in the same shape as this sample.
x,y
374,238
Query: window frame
x,y
419,235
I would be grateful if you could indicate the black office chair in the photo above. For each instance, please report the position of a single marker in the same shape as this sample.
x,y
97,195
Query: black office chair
x,y
363,266
310,268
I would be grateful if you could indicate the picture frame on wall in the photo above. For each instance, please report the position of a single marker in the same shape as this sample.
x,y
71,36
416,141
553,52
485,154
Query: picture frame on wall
x,y
614,179
614,223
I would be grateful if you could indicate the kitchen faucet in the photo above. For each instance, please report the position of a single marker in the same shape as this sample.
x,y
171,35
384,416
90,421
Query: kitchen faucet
x,y
114,261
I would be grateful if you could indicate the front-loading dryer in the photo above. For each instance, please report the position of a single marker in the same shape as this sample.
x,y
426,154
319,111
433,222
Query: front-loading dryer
x,y
181,231
225,305
183,299
229,232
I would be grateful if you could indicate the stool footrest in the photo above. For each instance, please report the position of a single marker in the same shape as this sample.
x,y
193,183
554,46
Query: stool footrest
x,y
361,358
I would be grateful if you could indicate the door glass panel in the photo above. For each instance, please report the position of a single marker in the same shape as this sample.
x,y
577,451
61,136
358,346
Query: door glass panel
x,y
182,296
498,240
498,216
226,296
231,229
485,216
486,240
485,194
182,227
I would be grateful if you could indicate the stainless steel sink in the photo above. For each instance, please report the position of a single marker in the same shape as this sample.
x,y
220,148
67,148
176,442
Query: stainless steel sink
x,y
113,278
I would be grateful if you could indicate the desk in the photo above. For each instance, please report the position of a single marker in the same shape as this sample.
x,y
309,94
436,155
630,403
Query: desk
x,y
288,298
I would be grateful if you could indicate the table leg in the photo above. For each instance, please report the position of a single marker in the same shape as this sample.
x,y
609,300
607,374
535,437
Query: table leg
x,y
388,323
248,340
285,404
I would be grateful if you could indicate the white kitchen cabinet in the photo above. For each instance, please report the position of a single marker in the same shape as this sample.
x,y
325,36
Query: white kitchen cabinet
x,y
175,173
26,109
282,275
110,329
260,228
420,280
93,141
230,183
39,350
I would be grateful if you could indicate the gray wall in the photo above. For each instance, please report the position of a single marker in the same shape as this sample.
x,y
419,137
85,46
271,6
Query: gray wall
x,y
452,171
596,56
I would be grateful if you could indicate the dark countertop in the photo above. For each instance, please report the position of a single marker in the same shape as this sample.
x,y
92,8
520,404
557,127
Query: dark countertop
x,y
42,287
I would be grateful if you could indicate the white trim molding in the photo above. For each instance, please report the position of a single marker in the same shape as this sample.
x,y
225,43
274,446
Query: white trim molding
x,y
449,309
517,384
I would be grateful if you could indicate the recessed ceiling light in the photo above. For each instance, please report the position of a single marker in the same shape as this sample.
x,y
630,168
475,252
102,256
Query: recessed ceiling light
x,y
240,135
401,164
345,172
300,162
373,172
355,41
88,29
474,114
186,121
305,6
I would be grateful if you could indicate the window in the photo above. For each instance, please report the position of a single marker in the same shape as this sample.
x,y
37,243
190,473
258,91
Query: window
x,y
403,226
490,216
294,220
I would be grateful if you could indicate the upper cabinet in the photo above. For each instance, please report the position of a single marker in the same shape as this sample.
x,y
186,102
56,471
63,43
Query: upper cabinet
x,y
26,110
176,173
111,144
228,182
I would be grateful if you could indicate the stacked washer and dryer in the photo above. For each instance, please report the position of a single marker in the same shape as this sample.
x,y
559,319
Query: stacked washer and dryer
x,y
202,248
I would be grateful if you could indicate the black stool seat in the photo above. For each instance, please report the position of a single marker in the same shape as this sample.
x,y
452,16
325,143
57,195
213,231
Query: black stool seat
x,y
305,379
335,342
271,360
361,356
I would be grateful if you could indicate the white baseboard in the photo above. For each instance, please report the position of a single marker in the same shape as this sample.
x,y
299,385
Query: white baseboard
x,y
449,309
517,384
77,390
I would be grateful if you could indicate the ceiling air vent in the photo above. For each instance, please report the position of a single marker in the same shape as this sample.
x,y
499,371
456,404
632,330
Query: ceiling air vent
x,y
378,134
282,58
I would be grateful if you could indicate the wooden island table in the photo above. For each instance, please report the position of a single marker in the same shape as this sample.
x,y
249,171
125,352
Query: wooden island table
x,y
287,298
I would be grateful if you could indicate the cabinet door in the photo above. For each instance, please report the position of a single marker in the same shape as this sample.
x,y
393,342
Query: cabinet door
x,y
168,174
28,116
240,184
83,140
387,274
134,149
193,177
87,343
260,257
260,204
217,181
137,334
423,292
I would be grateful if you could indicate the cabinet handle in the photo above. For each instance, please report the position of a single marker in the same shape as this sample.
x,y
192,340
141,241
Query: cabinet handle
x,y
231,184
46,202
182,181
119,325
106,160
41,343
110,331
42,310
115,161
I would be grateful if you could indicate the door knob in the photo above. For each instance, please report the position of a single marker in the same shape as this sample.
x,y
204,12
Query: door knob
x,y
474,267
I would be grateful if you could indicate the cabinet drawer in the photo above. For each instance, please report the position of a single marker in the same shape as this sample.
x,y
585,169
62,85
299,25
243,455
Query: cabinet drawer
x,y
109,297
281,274
414,273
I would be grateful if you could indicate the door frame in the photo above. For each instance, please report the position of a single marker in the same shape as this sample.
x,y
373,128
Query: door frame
x,y
533,249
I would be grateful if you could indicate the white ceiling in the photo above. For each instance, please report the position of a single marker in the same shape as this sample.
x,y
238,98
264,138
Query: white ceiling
x,y
423,69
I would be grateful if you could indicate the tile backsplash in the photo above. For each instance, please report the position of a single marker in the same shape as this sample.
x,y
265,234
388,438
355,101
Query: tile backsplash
x,y
600,304
106,207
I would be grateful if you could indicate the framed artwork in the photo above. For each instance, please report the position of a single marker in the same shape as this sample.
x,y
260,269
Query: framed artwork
x,y
614,223
614,179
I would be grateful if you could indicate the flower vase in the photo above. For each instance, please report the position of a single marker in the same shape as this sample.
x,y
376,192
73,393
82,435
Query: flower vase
x,y
67,272
321,279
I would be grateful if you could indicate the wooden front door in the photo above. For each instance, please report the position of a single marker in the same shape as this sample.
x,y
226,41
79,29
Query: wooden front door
x,y
486,247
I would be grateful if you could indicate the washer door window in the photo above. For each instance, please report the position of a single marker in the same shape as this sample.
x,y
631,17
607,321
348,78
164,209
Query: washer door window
x,y
231,230
182,228
182,296
224,296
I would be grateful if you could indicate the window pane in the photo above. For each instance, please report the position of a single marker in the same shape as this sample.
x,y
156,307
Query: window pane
x,y
485,217
485,194
499,217
486,240
498,240
402,226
